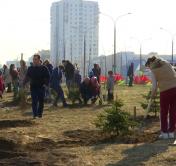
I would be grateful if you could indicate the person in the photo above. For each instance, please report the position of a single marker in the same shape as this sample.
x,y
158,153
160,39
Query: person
x,y
15,80
69,71
91,74
95,89
76,86
50,69
22,72
76,66
7,78
164,77
55,81
130,74
77,78
2,87
97,72
49,66
38,75
110,86
85,90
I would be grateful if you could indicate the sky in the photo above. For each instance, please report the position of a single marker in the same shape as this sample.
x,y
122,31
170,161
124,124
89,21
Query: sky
x,y
25,26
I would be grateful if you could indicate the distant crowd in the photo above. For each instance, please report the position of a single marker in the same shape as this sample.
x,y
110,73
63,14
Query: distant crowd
x,y
45,80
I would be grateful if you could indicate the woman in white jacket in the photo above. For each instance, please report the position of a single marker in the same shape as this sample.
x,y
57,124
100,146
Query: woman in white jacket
x,y
164,77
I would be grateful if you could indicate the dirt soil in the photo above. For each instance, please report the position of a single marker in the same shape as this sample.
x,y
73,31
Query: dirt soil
x,y
68,137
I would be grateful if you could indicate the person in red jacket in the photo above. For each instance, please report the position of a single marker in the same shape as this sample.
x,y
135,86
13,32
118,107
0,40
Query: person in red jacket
x,y
95,88
1,85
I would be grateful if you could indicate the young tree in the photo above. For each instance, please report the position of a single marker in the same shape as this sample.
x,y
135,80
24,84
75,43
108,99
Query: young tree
x,y
155,103
114,120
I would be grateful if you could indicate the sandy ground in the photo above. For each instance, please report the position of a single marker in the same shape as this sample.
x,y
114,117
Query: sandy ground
x,y
68,137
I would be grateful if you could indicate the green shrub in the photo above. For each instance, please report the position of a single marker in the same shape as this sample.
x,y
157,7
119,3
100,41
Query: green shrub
x,y
114,120
74,94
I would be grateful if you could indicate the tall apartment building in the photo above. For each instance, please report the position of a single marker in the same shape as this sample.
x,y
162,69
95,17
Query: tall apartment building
x,y
72,23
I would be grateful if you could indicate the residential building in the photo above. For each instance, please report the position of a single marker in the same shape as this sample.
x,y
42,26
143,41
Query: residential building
x,y
74,31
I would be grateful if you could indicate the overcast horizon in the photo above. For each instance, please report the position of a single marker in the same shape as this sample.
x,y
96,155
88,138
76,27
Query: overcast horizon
x,y
25,26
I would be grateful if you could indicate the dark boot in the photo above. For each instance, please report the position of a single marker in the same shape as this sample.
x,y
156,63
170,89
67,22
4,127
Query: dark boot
x,y
65,104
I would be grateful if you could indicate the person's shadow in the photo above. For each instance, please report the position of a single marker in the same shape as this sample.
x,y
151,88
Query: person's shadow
x,y
142,153
13,123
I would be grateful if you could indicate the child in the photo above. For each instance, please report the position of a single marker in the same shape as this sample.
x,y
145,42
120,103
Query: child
x,y
110,86
1,85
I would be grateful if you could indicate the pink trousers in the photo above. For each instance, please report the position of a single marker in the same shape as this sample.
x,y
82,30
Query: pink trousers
x,y
168,109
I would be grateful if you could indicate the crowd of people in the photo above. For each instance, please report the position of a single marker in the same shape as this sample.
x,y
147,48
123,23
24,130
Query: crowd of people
x,y
45,80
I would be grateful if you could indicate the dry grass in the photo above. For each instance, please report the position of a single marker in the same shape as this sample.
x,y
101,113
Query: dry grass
x,y
69,137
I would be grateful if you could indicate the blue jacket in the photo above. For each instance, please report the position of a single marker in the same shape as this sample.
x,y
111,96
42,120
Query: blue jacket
x,y
50,68
56,78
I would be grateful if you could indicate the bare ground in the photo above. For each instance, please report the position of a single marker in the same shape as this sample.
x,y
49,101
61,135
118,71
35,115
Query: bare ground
x,y
68,137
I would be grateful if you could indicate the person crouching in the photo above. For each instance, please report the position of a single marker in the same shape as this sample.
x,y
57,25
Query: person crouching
x,y
85,89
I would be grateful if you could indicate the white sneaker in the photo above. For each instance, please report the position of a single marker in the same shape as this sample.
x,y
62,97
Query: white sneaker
x,y
171,135
163,136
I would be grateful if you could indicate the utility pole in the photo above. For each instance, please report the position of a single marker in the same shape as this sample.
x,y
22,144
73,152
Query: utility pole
x,y
64,51
140,50
84,68
71,52
114,63
114,67
172,43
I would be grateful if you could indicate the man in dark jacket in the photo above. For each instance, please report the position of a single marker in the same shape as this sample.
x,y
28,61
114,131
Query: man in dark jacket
x,y
38,75
56,79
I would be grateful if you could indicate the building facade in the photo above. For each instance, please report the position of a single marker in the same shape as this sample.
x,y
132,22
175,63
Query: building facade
x,y
74,31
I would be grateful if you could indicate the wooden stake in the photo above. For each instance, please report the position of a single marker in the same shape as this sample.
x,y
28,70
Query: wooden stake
x,y
134,112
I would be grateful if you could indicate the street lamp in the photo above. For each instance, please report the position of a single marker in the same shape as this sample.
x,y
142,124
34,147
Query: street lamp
x,y
64,50
172,37
89,61
71,45
84,42
140,50
105,65
114,22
